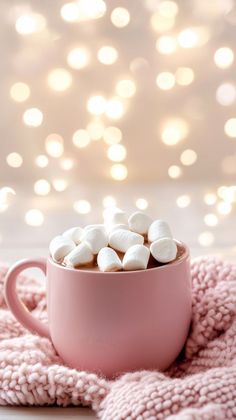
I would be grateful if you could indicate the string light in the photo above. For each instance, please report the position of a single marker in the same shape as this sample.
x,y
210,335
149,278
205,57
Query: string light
x,y
210,198
20,92
161,23
34,217
165,80
81,138
141,204
230,127
206,239
107,55
33,117
120,17
83,10
42,187
224,57
59,184
226,94
78,58
183,201
59,80
114,109
96,105
119,172
30,23
54,145
117,153
174,171
70,12
109,201
66,164
14,160
82,206
174,131
188,38
112,135
95,129
126,88
188,157
224,207
184,76
41,161
166,44
211,219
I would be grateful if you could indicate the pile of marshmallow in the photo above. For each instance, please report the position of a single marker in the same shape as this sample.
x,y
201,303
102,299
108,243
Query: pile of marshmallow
x,y
102,244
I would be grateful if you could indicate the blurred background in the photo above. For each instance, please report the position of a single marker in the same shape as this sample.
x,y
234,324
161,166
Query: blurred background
x,y
127,103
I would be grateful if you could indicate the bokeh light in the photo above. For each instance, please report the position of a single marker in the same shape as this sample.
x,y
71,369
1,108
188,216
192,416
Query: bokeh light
x,y
14,160
114,109
96,105
188,157
224,208
120,17
188,38
42,187
126,88
224,57
211,219
95,129
82,206
230,127
161,23
107,55
112,135
20,92
174,171
184,76
66,164
119,172
165,80
141,204
41,161
81,138
59,79
117,153
183,201
78,58
166,44
174,130
33,117
226,94
109,201
59,184
70,12
54,145
206,239
210,199
30,23
34,217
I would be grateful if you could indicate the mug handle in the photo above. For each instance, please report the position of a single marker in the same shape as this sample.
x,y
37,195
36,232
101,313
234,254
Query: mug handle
x,y
17,307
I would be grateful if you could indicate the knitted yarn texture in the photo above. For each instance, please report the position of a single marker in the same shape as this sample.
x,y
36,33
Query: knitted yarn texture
x,y
201,384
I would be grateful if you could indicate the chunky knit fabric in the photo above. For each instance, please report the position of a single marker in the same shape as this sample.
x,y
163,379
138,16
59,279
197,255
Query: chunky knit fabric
x,y
201,384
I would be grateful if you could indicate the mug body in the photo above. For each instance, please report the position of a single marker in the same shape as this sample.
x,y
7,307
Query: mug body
x,y
111,323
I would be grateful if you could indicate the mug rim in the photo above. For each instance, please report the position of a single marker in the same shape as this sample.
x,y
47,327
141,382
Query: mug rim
x,y
183,258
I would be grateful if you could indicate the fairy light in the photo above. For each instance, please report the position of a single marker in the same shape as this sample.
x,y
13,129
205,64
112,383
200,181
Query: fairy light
x,y
117,153
96,105
166,44
224,57
59,80
91,9
42,187
109,201
120,17
188,38
78,58
174,171
107,55
183,201
210,199
141,204
41,161
112,135
184,76
66,164
59,184
30,23
114,109
82,206
33,117
188,157
211,219
119,172
54,145
206,239
126,88
70,12
14,160
226,94
230,127
161,23
168,8
174,130
224,208
34,217
165,80
81,138
20,92
95,129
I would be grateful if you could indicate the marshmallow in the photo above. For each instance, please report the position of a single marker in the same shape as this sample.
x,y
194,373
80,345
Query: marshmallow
x,y
108,260
158,229
122,239
96,238
81,255
112,228
164,250
136,258
114,216
59,247
74,234
139,222
97,226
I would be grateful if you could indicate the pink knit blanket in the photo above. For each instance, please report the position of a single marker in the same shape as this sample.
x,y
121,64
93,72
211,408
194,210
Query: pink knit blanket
x,y
200,385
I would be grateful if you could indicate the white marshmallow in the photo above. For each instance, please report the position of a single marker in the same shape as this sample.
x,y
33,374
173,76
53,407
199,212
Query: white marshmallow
x,y
139,222
114,216
112,228
164,250
74,234
122,239
81,255
96,238
59,247
108,260
97,226
159,229
136,258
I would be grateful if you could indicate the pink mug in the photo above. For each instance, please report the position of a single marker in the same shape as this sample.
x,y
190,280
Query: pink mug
x,y
111,323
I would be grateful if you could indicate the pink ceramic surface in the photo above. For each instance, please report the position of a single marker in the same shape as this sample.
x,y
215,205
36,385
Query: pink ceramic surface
x,y
111,322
